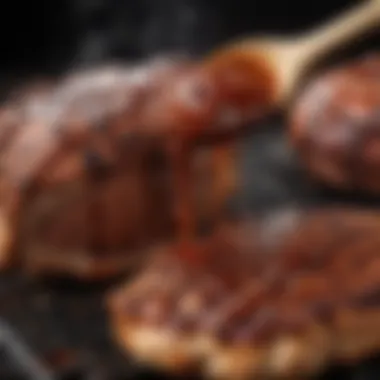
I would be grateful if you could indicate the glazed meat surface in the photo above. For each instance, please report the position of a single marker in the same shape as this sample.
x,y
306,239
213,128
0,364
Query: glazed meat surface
x,y
281,296
335,126
86,185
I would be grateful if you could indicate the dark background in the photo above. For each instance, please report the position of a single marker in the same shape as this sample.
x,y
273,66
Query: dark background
x,y
53,34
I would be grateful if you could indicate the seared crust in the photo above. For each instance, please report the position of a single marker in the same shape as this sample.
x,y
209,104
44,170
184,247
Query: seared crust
x,y
335,123
65,163
85,186
273,298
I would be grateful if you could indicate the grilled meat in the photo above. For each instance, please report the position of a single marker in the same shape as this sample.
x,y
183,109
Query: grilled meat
x,y
281,296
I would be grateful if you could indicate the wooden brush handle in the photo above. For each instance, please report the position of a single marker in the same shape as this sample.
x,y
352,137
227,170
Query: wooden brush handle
x,y
341,30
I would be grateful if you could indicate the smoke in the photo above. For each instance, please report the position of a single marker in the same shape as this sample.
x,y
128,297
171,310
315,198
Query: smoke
x,y
52,35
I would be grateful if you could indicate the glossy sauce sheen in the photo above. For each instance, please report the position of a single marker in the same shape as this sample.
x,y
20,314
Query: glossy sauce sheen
x,y
261,279
84,161
229,91
245,81
335,126
102,160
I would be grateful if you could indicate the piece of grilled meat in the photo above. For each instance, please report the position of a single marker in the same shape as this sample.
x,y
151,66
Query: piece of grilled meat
x,y
335,126
286,295
86,184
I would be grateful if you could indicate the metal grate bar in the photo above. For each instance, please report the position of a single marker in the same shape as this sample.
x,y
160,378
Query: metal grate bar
x,y
21,356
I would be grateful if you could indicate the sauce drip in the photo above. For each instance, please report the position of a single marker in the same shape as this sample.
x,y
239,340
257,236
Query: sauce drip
x,y
231,89
184,205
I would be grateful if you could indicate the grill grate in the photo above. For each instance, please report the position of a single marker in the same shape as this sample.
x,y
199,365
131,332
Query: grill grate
x,y
59,332
51,331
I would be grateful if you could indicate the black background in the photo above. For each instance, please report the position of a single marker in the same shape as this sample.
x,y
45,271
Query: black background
x,y
51,35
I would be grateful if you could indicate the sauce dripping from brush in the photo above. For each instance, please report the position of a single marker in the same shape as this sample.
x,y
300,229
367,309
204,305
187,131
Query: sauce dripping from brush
x,y
215,105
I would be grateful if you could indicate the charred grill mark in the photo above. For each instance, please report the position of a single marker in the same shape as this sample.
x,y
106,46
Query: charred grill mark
x,y
299,296
368,300
194,299
96,167
322,310
102,125
237,310
96,172
131,144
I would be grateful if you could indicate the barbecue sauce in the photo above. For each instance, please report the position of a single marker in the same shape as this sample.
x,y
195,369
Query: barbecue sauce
x,y
223,95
